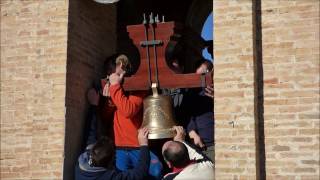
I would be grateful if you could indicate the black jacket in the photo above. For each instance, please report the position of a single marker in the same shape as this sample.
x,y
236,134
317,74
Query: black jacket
x,y
84,172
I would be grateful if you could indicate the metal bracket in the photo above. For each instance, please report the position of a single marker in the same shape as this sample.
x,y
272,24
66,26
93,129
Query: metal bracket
x,y
154,88
203,80
151,43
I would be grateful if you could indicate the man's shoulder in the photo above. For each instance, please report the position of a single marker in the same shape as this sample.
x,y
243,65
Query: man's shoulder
x,y
85,174
199,170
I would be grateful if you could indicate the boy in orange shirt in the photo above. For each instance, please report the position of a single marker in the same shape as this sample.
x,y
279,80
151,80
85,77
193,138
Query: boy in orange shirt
x,y
127,120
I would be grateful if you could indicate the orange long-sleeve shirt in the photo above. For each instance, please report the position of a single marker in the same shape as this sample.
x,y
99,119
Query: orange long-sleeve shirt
x,y
127,117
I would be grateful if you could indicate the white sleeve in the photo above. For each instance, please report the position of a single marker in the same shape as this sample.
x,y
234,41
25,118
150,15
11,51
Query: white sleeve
x,y
193,154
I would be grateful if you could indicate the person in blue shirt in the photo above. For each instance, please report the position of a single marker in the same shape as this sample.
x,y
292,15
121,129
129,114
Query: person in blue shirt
x,y
98,159
102,114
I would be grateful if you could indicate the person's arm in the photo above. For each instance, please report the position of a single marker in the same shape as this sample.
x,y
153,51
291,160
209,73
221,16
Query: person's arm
x,y
138,172
196,138
191,126
127,105
192,133
180,136
141,170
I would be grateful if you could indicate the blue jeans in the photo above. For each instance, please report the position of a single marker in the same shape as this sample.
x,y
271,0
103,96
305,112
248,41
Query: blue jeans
x,y
129,158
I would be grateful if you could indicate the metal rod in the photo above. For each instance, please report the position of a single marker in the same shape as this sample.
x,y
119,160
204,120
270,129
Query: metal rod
x,y
154,48
147,47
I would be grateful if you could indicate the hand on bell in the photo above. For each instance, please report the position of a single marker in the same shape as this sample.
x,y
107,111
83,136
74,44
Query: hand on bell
x,y
143,136
180,136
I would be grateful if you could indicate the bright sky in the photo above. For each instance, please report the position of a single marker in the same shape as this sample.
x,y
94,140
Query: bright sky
x,y
207,34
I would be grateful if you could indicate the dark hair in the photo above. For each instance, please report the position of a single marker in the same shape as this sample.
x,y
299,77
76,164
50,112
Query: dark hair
x,y
109,65
102,153
175,51
178,155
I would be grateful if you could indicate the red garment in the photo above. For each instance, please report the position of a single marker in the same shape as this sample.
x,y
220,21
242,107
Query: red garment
x,y
106,111
127,117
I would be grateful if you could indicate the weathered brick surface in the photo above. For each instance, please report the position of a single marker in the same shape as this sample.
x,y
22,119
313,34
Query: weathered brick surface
x,y
91,38
33,81
233,83
290,31
51,52
41,75
290,37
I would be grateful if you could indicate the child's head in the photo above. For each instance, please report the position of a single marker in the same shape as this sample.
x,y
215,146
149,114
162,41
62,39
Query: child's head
x,y
122,64
116,63
103,152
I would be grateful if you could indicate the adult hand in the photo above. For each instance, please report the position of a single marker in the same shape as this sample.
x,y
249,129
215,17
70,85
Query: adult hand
x,y
120,68
93,97
203,68
105,91
116,78
143,136
209,91
180,136
196,139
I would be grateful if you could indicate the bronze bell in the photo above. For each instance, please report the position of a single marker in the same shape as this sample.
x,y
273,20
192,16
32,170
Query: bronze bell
x,y
158,115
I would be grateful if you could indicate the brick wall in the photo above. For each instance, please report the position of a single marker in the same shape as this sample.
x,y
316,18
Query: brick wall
x,y
91,38
290,37
290,49
234,93
33,81
41,75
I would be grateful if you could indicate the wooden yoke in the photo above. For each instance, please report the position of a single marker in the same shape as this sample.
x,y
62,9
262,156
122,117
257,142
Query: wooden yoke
x,y
144,39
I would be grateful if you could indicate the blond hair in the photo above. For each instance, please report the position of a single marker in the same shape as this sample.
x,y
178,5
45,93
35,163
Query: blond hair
x,y
123,59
